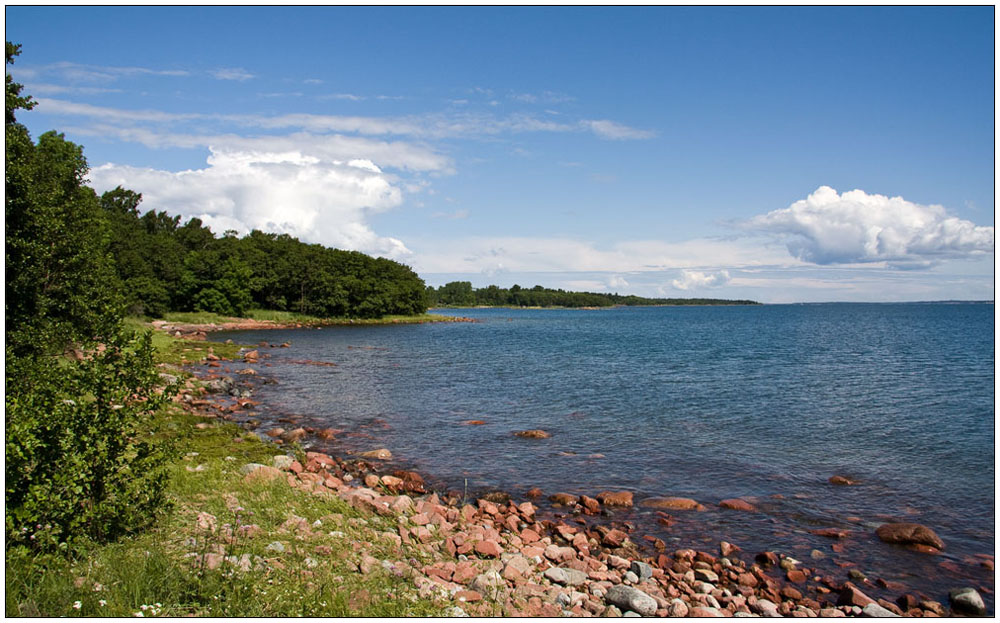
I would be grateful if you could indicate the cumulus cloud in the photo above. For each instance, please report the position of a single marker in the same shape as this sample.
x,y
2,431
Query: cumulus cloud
x,y
314,199
855,227
696,279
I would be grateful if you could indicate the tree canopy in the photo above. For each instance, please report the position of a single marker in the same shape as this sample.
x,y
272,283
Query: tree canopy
x,y
462,294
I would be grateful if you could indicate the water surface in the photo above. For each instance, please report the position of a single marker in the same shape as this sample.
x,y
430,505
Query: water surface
x,y
762,402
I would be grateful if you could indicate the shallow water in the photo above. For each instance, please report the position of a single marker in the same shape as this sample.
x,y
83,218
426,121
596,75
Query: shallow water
x,y
701,402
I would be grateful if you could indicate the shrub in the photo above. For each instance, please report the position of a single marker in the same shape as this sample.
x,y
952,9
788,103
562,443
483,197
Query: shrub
x,y
81,455
211,300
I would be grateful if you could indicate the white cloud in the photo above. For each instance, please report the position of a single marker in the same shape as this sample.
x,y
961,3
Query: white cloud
x,y
855,227
314,199
57,89
232,73
614,131
341,96
617,281
456,215
477,254
392,154
429,126
697,279
78,72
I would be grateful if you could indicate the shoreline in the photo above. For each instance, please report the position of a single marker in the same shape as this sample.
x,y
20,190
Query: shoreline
x,y
778,579
199,331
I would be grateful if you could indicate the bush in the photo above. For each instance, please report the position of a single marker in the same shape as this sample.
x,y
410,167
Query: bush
x,y
211,300
81,455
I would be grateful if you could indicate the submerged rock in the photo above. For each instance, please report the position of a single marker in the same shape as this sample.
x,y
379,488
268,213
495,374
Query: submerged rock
x,y
909,534
842,481
673,503
381,454
736,504
533,434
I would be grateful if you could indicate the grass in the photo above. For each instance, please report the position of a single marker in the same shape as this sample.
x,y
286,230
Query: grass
x,y
163,571
175,351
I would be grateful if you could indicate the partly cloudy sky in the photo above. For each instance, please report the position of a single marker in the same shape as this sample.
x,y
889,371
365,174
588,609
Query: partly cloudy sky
x,y
778,154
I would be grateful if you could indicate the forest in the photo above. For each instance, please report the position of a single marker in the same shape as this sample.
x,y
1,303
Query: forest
x,y
462,294
164,265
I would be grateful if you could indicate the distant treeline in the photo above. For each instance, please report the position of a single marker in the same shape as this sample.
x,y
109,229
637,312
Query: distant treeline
x,y
166,266
462,294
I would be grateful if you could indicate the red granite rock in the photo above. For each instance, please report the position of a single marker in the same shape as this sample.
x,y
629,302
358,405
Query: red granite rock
x,y
909,534
737,504
615,498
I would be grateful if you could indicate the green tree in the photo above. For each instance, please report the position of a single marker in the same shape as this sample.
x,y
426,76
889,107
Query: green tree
x,y
79,461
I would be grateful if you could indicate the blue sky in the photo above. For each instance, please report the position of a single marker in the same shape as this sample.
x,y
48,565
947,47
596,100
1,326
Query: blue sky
x,y
779,154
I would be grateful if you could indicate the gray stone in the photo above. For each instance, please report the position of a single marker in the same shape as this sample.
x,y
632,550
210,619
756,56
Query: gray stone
x,y
629,598
220,386
631,615
706,575
766,608
967,601
631,578
744,615
282,461
703,588
249,467
276,546
876,611
641,569
488,583
557,575
574,577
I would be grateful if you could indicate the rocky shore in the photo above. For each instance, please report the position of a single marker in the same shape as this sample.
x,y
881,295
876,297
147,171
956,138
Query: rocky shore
x,y
199,331
494,555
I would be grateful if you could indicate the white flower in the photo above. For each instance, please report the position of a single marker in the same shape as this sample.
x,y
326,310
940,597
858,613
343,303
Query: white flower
x,y
102,602
77,605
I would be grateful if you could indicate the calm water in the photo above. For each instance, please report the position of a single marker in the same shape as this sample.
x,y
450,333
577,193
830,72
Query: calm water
x,y
706,402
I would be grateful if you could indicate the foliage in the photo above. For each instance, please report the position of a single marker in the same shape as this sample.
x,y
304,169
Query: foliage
x,y
79,460
462,294
165,266
153,573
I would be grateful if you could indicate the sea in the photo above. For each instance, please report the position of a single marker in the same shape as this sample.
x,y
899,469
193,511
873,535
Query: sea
x,y
762,402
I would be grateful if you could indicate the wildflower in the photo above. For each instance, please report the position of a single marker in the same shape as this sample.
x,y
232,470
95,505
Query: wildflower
x,y
137,614
77,605
102,602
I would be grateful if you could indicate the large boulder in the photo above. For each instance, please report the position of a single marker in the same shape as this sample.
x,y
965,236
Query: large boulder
x,y
628,598
615,498
909,534
967,601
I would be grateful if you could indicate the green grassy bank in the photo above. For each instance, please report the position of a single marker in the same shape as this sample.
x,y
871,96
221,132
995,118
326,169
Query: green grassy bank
x,y
178,567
